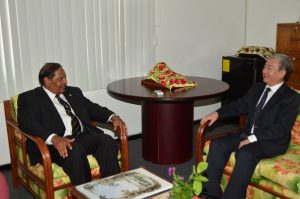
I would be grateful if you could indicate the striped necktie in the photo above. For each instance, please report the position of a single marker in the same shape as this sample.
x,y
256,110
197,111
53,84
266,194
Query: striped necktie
x,y
76,129
256,113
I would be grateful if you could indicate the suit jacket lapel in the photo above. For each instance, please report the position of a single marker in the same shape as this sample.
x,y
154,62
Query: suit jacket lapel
x,y
73,102
46,101
48,104
274,99
76,105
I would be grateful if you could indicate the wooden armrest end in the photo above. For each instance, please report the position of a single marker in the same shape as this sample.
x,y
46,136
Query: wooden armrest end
x,y
21,142
46,158
124,150
203,135
122,137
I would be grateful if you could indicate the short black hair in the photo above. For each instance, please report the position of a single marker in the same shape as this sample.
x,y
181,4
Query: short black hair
x,y
48,70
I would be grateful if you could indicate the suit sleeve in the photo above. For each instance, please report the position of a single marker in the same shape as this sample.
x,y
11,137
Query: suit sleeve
x,y
239,107
95,111
28,117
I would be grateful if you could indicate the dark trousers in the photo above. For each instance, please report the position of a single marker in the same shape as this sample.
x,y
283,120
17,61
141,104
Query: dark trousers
x,y
103,147
247,158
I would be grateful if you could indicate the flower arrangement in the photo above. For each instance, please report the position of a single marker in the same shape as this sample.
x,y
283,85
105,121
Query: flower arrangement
x,y
192,187
163,75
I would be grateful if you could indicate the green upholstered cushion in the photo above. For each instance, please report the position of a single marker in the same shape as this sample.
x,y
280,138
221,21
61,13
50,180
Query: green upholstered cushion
x,y
59,176
295,141
255,193
14,103
283,170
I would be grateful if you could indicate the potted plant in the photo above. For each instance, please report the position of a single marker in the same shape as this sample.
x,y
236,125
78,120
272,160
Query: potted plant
x,y
190,188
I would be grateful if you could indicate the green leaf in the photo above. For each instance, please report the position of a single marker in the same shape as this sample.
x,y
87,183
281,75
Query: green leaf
x,y
200,178
197,186
182,191
202,166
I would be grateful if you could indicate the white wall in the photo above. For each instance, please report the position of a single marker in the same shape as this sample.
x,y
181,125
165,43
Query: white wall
x,y
263,16
4,156
130,113
192,37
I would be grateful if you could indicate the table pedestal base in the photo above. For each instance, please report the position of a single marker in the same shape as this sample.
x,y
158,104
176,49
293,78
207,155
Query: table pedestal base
x,y
167,132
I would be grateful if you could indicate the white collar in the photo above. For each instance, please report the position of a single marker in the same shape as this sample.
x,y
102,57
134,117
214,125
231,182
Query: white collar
x,y
275,87
49,93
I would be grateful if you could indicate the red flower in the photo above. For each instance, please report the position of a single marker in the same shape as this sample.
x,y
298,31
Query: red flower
x,y
163,83
172,81
183,81
171,171
161,77
161,67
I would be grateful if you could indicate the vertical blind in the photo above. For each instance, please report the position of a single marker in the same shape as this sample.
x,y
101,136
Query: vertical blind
x,y
96,41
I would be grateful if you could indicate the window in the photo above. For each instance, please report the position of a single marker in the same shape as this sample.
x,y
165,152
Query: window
x,y
96,41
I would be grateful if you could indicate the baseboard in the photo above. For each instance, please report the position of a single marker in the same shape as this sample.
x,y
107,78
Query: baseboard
x,y
5,167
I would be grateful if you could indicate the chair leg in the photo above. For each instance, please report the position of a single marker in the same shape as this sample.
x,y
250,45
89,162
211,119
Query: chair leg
x,y
14,168
49,195
15,176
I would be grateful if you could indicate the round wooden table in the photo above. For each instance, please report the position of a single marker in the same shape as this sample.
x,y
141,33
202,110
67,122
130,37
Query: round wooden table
x,y
167,121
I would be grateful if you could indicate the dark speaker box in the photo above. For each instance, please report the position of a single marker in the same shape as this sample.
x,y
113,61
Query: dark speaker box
x,y
240,72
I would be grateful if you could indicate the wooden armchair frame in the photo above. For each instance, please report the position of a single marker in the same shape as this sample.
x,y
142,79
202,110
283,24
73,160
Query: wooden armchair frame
x,y
202,137
16,164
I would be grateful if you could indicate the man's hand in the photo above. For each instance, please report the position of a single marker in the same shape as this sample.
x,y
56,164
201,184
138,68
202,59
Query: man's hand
x,y
212,117
62,145
243,143
118,123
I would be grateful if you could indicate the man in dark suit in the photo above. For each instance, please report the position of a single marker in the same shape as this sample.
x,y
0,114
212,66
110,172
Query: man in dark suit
x,y
62,116
267,132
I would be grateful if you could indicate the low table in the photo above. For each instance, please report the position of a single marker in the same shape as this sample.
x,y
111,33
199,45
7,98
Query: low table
x,y
77,195
138,183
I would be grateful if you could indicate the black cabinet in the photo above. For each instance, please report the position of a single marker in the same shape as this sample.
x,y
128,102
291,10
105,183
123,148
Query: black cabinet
x,y
240,72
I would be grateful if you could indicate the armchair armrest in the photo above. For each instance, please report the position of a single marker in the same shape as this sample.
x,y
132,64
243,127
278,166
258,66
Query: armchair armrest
x,y
46,158
202,136
124,151
123,148
24,164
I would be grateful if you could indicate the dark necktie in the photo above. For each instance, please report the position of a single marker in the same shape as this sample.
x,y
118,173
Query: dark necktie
x,y
256,113
76,129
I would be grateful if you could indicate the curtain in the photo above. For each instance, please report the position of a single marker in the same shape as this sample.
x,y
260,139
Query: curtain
x,y
96,41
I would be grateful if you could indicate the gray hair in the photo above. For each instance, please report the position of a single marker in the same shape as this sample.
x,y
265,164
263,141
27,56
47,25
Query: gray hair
x,y
285,63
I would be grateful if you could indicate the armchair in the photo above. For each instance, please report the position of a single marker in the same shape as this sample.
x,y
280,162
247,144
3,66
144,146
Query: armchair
x,y
273,177
46,180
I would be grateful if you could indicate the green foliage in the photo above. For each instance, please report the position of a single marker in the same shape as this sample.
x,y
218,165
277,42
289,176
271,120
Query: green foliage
x,y
191,187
